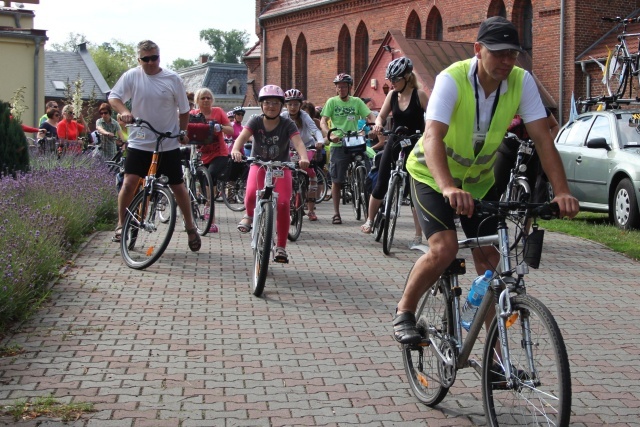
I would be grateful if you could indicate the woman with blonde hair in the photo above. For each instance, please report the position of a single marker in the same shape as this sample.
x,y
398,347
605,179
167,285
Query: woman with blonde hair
x,y
407,102
214,156
69,130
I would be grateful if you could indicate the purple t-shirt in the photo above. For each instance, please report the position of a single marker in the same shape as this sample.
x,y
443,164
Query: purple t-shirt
x,y
273,145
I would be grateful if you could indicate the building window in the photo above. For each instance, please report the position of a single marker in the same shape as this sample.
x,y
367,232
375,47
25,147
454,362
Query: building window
x,y
301,64
496,8
434,25
523,20
286,64
414,28
344,51
361,52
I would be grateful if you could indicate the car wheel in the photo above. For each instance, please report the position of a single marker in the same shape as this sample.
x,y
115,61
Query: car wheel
x,y
624,209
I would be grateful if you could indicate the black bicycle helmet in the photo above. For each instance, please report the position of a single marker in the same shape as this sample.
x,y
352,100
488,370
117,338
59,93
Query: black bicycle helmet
x,y
343,77
238,110
398,68
293,95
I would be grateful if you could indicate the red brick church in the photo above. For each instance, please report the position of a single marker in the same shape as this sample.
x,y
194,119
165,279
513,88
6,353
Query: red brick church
x,y
305,43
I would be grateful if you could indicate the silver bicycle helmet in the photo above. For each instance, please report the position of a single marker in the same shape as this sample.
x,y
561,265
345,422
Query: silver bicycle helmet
x,y
293,95
398,68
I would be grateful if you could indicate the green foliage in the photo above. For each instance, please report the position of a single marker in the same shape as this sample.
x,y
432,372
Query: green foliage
x,y
71,44
14,149
596,227
113,59
181,63
48,406
228,46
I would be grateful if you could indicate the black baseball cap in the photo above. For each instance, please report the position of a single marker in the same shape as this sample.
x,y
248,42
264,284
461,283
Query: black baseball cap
x,y
498,33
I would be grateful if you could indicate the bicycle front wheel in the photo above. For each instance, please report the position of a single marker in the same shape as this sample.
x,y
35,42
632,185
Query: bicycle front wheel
x,y
262,251
361,176
233,194
355,195
428,377
540,393
296,212
392,211
145,236
378,223
201,195
616,74
322,189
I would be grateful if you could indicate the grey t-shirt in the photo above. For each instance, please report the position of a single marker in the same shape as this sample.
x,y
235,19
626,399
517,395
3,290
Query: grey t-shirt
x,y
273,145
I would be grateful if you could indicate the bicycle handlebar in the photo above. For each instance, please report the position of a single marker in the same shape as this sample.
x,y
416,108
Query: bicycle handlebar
x,y
138,122
272,163
621,20
538,210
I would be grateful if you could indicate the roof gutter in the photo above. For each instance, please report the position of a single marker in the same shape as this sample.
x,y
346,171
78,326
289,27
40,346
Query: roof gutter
x,y
297,8
561,80
36,70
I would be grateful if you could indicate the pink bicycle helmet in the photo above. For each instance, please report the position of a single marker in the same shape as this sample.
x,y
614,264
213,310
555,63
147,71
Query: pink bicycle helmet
x,y
271,91
230,114
293,95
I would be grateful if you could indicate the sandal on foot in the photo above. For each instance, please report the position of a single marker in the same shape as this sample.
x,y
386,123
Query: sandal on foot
x,y
312,216
245,227
118,234
405,330
280,255
336,219
367,227
194,243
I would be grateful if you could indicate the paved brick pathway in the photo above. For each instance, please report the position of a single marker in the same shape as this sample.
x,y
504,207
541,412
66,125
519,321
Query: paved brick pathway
x,y
185,343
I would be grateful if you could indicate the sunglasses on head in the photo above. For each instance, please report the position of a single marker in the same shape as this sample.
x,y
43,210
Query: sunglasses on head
x,y
152,58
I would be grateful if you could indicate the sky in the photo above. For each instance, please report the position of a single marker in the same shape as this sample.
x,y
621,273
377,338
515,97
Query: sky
x,y
174,25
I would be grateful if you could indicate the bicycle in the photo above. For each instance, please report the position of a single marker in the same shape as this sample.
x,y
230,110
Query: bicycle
x,y
151,217
232,191
300,188
525,375
355,190
623,65
199,184
264,220
385,221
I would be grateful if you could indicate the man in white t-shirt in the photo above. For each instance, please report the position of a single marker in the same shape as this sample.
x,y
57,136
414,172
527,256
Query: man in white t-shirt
x,y
470,108
158,96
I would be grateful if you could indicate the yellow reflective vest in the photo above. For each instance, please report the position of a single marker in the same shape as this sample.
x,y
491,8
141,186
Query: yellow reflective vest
x,y
470,172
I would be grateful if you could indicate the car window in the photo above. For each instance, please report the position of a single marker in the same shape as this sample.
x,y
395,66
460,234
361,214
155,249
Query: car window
x,y
562,136
600,129
629,129
578,131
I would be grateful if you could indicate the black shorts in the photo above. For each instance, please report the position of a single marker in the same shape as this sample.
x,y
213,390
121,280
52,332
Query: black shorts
x,y
138,162
435,215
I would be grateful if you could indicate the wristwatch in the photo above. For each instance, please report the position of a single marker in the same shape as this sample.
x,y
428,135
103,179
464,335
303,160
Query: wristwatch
x,y
183,133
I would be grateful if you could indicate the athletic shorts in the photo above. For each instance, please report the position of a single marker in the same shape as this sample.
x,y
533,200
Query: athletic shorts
x,y
434,214
138,162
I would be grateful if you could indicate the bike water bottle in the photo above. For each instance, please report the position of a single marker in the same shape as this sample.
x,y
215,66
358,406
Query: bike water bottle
x,y
478,289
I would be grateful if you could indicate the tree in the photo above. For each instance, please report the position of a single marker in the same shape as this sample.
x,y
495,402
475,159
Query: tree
x,y
228,46
113,59
71,44
181,63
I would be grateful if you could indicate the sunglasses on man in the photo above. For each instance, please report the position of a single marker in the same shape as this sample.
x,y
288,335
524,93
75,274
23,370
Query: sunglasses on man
x,y
152,58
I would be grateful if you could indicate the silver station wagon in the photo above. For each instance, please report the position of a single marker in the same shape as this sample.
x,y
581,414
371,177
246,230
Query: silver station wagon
x,y
600,152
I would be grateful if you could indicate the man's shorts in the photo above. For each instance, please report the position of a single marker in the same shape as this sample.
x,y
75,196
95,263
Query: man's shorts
x,y
339,163
435,215
138,162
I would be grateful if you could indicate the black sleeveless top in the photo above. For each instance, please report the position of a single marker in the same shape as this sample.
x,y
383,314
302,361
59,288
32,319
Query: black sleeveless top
x,y
412,117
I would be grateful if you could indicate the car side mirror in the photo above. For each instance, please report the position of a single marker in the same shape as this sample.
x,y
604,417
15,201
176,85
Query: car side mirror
x,y
598,143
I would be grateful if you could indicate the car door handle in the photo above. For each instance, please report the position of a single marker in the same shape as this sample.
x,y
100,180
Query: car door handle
x,y
579,159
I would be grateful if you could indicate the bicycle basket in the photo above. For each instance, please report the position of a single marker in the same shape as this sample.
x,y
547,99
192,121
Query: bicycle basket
x,y
354,144
200,133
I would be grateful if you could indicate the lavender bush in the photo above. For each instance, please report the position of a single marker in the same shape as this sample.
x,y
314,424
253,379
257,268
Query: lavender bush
x,y
44,214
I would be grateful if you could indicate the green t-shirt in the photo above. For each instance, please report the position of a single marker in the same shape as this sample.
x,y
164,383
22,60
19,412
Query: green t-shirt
x,y
345,115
